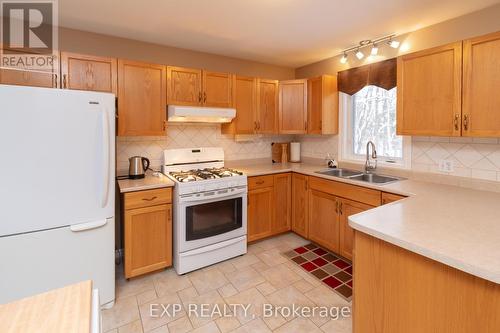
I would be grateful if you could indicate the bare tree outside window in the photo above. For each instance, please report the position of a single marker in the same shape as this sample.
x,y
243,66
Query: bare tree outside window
x,y
374,118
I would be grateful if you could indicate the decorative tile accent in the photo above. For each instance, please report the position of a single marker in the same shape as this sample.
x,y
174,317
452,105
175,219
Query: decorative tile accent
x,y
336,275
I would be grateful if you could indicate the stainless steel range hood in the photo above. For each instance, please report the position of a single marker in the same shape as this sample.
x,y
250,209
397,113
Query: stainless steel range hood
x,y
199,114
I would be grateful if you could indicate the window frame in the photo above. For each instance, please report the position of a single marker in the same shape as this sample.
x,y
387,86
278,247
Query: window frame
x,y
346,138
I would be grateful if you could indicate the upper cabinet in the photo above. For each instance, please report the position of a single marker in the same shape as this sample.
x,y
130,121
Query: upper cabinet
x,y
429,92
293,107
184,86
245,103
83,72
322,105
141,98
196,87
267,106
481,86
217,89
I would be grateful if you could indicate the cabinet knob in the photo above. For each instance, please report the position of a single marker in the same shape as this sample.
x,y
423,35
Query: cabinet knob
x,y
204,97
149,199
466,122
65,81
457,118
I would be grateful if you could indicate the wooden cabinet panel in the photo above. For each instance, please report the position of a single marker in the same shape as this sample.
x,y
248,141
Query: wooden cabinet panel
x,y
323,219
260,182
184,86
481,86
346,209
267,106
429,91
147,198
322,105
348,191
217,89
83,72
260,213
28,78
282,203
148,239
300,205
245,103
390,197
141,99
293,107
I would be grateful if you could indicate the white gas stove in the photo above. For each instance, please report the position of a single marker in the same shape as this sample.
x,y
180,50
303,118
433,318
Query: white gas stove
x,y
210,217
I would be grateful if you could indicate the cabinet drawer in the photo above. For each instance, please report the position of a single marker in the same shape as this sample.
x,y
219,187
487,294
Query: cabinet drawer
x,y
260,182
348,191
390,197
147,198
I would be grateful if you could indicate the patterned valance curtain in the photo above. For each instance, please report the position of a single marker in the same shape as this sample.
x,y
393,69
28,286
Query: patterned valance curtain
x,y
381,74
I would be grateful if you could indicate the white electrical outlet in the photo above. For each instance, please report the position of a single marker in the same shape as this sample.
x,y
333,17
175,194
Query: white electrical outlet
x,y
446,166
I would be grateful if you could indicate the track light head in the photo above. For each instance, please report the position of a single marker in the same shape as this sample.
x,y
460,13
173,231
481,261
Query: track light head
x,y
374,50
343,60
393,43
359,54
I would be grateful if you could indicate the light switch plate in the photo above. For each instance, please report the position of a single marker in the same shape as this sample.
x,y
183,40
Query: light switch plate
x,y
446,166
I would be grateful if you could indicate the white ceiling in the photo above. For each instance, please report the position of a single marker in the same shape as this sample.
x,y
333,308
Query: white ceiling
x,y
285,32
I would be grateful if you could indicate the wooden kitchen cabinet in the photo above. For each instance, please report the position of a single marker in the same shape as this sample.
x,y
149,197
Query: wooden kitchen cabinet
x,y
141,99
260,212
322,105
429,92
481,86
184,86
217,89
300,205
267,106
91,73
347,208
148,231
390,197
323,219
293,107
245,103
282,203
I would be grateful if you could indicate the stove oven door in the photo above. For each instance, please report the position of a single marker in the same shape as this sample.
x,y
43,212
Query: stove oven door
x,y
210,217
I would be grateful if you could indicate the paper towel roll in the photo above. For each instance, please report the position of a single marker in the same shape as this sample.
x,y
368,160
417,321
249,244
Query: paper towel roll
x,y
295,152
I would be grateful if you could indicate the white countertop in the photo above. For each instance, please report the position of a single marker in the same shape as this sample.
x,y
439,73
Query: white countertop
x,y
456,226
149,182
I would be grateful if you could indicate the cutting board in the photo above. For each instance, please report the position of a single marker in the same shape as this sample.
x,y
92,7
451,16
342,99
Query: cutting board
x,y
277,151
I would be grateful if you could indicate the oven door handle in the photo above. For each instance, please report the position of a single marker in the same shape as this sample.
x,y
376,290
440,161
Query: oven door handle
x,y
218,194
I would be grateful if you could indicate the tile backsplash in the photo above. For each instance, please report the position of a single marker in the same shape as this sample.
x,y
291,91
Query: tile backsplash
x,y
189,136
477,158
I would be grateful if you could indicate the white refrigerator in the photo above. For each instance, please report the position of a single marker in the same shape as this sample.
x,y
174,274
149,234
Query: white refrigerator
x,y
57,162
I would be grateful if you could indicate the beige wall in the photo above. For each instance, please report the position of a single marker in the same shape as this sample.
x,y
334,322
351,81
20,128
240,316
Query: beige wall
x,y
463,27
104,45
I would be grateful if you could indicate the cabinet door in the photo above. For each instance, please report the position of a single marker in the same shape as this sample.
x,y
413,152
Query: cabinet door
x,y
217,90
83,72
28,78
300,205
346,209
429,92
245,103
282,203
148,239
390,197
260,213
322,105
184,86
293,107
141,99
323,220
481,86
267,108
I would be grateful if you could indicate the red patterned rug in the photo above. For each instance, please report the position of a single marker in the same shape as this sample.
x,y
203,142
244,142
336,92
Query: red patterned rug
x,y
329,268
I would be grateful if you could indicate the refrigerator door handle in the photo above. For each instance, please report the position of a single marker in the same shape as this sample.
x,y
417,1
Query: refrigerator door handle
x,y
105,150
88,225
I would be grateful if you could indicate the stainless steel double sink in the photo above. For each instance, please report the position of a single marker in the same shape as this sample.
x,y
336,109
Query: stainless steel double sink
x,y
358,175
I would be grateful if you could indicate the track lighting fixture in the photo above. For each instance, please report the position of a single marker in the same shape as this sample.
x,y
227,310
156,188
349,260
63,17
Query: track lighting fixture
x,y
359,54
393,43
374,50
374,47
343,60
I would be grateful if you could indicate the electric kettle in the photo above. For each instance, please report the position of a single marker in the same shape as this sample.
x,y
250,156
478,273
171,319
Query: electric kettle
x,y
137,167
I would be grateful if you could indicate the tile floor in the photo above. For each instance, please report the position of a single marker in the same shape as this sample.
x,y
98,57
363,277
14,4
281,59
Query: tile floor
x,y
262,276
332,270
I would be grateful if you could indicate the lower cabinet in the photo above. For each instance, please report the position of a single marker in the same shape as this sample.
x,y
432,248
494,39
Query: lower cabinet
x,y
324,220
390,197
347,208
148,231
299,205
269,205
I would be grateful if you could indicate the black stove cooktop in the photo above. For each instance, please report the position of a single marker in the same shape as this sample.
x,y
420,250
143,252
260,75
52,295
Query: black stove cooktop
x,y
203,174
